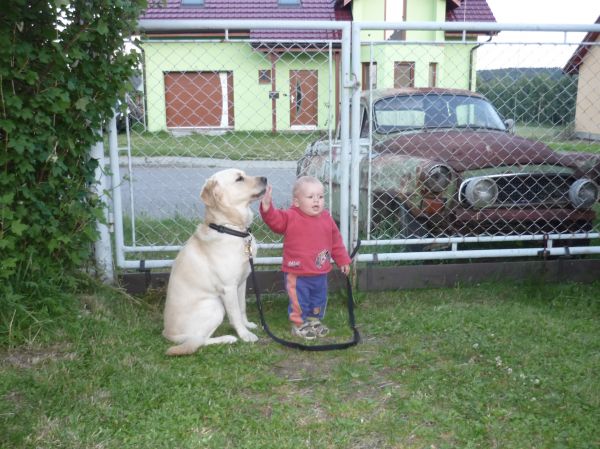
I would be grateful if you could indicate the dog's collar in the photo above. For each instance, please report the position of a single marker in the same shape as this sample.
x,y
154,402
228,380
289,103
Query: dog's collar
x,y
225,230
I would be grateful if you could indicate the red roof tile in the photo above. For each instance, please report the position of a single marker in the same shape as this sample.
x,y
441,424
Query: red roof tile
x,y
469,11
331,10
244,9
258,10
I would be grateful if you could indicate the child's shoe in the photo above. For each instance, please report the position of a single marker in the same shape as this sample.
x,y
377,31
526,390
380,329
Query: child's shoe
x,y
319,328
305,330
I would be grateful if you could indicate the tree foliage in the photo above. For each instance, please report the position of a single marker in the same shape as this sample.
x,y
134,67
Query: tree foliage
x,y
63,64
531,96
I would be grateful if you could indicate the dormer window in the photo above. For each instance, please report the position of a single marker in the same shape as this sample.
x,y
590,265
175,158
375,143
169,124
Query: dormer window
x,y
192,2
288,2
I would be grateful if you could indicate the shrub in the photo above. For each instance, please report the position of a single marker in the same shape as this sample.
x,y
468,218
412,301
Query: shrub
x,y
63,64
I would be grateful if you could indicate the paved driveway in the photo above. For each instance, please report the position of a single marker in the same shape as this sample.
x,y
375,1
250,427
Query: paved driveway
x,y
167,187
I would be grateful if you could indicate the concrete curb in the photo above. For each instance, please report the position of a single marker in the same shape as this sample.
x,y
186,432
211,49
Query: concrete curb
x,y
199,162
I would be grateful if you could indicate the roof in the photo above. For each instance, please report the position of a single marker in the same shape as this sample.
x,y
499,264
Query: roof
x,y
468,11
573,64
328,10
322,10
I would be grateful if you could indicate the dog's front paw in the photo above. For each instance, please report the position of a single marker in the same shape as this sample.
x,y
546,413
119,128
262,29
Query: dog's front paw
x,y
248,337
228,339
250,325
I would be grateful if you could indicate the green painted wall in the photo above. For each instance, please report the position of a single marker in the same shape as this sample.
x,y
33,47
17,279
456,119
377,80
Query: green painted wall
x,y
452,58
452,63
252,105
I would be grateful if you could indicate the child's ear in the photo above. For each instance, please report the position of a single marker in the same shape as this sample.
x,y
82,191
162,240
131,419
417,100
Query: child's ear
x,y
295,202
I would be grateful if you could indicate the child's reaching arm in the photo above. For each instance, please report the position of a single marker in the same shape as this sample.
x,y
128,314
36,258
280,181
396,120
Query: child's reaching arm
x,y
275,219
267,198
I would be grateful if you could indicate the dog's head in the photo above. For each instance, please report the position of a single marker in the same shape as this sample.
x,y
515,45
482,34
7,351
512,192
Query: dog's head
x,y
228,193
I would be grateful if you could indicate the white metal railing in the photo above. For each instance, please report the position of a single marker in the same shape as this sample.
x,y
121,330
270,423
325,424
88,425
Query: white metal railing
x,y
349,197
454,253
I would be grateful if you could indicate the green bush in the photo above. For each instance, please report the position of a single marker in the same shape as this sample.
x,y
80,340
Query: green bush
x,y
63,64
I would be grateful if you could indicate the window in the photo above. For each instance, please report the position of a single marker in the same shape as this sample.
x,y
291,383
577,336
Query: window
x,y
369,76
404,74
192,2
288,2
433,74
264,76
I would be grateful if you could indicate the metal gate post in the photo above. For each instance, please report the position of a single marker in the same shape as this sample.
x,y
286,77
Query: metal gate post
x,y
113,145
355,136
102,247
346,91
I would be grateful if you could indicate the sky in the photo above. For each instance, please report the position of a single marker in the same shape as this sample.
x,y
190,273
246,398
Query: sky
x,y
572,12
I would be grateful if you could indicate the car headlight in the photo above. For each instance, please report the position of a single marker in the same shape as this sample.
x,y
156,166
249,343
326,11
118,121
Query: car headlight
x,y
438,178
481,192
583,193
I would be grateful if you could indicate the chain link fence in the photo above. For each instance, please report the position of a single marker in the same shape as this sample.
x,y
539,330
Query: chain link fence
x,y
465,143
455,141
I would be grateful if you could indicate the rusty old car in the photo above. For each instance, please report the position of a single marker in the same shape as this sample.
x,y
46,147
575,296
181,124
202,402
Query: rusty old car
x,y
443,162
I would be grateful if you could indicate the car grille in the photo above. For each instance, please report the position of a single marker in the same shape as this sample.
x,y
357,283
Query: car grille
x,y
529,190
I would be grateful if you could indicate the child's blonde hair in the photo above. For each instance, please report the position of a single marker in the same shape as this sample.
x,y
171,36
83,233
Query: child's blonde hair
x,y
301,181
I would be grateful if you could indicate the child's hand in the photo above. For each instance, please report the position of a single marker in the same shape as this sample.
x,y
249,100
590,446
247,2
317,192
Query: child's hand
x,y
267,198
345,269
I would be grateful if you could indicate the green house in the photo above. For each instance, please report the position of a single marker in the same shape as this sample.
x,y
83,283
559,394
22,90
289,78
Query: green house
x,y
221,79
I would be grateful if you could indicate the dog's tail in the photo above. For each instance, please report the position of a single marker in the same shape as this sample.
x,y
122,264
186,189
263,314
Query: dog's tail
x,y
186,348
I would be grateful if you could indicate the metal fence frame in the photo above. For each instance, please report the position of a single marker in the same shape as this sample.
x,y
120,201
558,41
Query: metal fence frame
x,y
155,25
350,152
454,253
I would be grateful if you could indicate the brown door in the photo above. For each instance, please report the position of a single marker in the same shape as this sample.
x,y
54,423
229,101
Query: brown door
x,y
303,97
199,99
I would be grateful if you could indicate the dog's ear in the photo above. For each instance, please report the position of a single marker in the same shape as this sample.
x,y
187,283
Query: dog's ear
x,y
211,192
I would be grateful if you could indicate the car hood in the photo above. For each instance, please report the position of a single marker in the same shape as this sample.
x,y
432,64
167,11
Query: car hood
x,y
467,150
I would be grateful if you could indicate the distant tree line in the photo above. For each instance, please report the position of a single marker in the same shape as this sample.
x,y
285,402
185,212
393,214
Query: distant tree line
x,y
531,96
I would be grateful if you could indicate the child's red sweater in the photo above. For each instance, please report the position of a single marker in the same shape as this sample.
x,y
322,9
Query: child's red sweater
x,y
309,242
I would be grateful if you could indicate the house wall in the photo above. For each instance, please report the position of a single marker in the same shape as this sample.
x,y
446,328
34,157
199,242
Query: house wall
x,y
370,11
425,11
252,105
587,115
391,11
452,60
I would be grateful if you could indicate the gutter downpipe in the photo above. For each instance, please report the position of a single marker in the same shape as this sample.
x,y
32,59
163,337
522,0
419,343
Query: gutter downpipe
x,y
471,53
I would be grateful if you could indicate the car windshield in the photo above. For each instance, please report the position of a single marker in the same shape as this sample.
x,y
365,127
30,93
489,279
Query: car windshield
x,y
434,111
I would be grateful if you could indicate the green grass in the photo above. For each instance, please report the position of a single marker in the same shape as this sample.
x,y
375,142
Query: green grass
x,y
492,365
557,138
255,145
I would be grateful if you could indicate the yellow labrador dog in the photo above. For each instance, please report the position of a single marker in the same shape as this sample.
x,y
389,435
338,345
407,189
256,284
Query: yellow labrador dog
x,y
208,277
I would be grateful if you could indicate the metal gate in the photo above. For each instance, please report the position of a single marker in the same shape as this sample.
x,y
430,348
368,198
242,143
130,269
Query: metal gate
x,y
439,172
279,107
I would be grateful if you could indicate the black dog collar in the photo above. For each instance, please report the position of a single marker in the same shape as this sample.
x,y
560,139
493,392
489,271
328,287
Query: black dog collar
x,y
225,230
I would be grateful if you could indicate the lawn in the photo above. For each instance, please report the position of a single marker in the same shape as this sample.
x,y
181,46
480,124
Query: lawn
x,y
482,366
255,145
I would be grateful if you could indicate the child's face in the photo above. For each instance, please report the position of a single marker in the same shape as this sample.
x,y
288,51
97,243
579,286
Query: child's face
x,y
310,198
